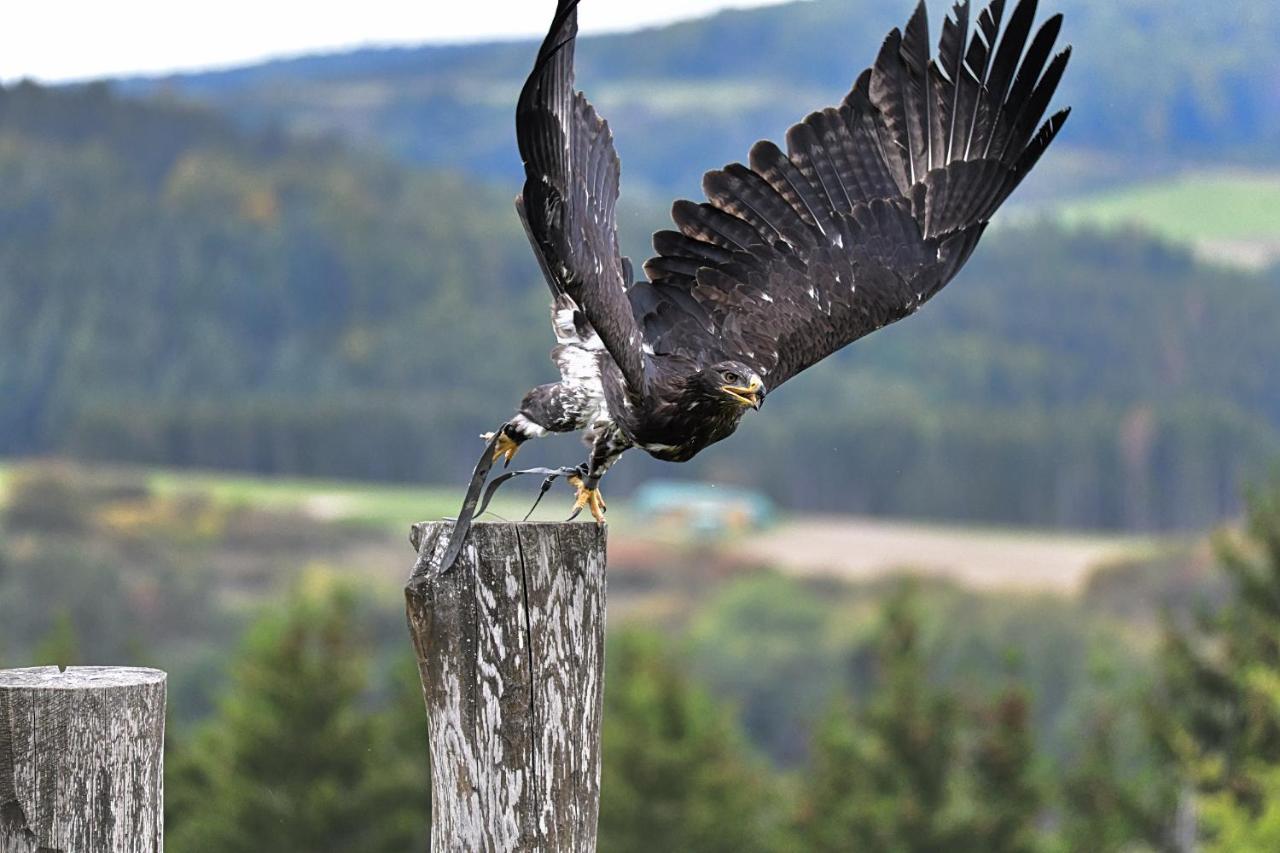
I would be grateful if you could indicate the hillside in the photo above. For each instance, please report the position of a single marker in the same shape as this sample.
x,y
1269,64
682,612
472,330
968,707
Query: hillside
x,y
695,95
1230,217
223,299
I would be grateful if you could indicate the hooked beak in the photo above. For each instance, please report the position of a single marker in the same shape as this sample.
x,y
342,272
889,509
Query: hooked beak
x,y
751,395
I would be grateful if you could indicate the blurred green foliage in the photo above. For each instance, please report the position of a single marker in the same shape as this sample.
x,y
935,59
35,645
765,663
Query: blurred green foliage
x,y
1221,720
897,716
677,773
292,761
911,769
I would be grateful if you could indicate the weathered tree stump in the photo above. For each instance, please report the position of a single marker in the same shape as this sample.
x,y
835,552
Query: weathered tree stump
x,y
510,645
81,760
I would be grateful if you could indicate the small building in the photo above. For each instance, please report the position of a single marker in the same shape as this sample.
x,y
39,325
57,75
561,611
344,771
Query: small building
x,y
705,509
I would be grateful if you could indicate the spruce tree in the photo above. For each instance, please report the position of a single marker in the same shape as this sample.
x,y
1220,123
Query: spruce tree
x,y
677,774
882,775
294,760
1222,720
398,789
1007,797
1119,792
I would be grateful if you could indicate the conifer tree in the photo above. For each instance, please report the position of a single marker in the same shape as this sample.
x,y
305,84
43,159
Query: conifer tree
x,y
882,775
1120,790
1007,798
294,760
399,788
677,774
1222,680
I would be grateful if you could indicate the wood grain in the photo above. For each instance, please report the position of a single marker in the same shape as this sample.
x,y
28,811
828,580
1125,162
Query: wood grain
x,y
81,760
510,647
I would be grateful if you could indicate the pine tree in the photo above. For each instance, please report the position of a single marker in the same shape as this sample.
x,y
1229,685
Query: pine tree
x,y
1120,792
399,788
1221,722
677,774
1007,798
837,811
293,761
882,775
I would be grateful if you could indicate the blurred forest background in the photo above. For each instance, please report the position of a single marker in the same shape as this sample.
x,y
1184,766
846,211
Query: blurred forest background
x,y
311,269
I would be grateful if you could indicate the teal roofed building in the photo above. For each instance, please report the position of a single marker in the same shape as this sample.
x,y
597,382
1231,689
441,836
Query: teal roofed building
x,y
703,508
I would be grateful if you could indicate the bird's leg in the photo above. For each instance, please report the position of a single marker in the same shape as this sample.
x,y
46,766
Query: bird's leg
x,y
589,497
607,445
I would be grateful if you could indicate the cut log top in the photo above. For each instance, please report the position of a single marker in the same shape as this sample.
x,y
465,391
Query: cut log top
x,y
78,677
431,538
81,760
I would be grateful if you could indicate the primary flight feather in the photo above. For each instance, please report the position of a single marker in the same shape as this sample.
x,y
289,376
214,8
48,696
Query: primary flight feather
x,y
874,206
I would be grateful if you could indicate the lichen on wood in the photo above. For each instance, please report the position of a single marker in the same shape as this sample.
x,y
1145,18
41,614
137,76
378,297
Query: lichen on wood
x,y
510,646
82,760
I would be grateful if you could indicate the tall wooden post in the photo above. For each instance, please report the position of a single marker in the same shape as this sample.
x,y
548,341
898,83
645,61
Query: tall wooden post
x,y
510,645
81,760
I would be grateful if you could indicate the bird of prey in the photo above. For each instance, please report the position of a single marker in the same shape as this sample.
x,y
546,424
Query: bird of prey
x,y
872,208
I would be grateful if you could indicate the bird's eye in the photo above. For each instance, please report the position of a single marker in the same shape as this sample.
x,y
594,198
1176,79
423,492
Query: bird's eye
x,y
732,377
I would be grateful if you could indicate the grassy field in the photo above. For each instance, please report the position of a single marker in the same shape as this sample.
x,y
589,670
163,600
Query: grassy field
x,y
849,548
381,505
389,506
393,507
1206,209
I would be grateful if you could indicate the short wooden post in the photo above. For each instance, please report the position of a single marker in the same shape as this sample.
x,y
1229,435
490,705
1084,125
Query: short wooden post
x,y
81,760
510,645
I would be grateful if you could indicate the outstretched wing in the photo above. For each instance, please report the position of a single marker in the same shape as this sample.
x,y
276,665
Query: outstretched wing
x,y
569,196
874,207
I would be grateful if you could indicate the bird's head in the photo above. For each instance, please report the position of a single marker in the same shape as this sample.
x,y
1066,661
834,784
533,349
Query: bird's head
x,y
732,383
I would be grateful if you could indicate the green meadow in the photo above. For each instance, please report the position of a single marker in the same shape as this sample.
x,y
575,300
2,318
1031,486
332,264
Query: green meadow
x,y
1194,207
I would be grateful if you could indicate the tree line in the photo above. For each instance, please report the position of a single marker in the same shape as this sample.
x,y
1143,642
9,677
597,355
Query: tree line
x,y
174,291
1151,91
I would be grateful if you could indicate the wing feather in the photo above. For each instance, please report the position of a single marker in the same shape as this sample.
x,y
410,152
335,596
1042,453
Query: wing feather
x,y
874,207
711,224
1003,68
917,90
1019,103
805,142
570,195
978,61
955,31
808,198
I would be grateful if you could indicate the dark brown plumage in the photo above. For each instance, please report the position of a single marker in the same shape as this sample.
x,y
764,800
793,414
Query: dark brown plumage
x,y
871,210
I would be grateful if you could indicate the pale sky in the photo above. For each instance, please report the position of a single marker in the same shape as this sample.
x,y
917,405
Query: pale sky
x,y
59,40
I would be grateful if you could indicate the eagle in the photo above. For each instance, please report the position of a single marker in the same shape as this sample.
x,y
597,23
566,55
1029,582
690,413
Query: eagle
x,y
872,208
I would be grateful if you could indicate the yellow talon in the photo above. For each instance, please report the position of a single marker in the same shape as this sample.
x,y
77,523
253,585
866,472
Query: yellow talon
x,y
589,498
507,448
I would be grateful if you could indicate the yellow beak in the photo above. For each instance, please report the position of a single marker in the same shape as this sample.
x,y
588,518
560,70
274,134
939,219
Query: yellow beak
x,y
747,396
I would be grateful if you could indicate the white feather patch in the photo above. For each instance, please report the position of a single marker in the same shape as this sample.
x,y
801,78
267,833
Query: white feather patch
x,y
526,427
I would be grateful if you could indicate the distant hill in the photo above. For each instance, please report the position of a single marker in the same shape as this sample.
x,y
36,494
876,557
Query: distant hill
x,y
155,260
177,291
1155,83
1228,217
